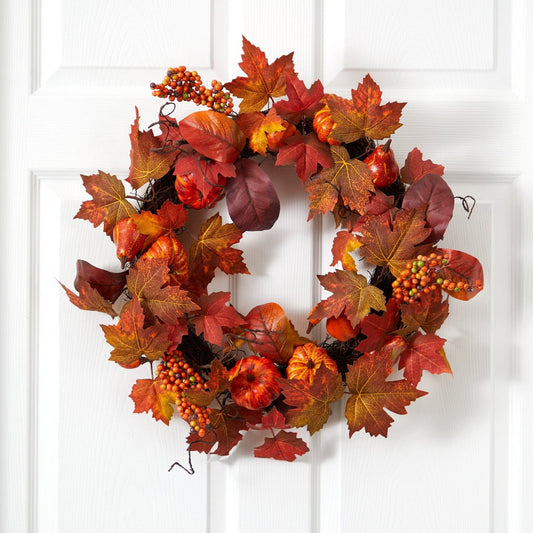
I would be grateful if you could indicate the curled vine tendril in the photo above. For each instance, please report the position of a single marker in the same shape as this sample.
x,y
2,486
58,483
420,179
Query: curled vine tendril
x,y
189,470
466,205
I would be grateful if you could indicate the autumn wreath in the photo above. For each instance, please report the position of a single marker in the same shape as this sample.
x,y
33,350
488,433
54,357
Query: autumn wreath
x,y
226,373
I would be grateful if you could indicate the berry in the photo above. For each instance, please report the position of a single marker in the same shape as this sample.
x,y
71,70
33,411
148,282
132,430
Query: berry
x,y
175,374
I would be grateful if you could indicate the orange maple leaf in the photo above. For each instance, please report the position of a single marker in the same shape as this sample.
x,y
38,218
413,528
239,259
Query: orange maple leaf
x,y
283,446
89,299
147,395
217,383
351,294
429,313
344,243
363,115
393,244
263,80
169,217
372,394
349,179
109,204
256,126
147,280
148,161
131,340
311,401
213,249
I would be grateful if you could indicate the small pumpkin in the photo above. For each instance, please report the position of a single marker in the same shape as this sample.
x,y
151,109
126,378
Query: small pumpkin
x,y
341,328
171,249
254,382
128,240
323,124
305,361
190,196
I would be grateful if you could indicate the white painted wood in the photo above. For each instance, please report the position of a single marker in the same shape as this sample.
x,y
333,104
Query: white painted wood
x,y
73,456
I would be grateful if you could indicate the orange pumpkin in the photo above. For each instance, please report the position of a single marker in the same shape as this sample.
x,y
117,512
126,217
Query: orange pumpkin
x,y
323,124
341,328
168,247
190,196
305,361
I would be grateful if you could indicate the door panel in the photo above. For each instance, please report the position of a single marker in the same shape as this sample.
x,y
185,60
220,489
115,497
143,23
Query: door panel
x,y
74,458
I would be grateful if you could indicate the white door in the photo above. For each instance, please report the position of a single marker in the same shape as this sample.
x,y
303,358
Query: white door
x,y
74,458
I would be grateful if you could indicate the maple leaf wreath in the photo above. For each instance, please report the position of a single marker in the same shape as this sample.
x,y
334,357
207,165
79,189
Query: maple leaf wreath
x,y
226,373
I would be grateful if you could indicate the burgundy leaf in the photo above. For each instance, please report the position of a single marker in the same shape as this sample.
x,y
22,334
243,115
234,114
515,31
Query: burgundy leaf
x,y
109,284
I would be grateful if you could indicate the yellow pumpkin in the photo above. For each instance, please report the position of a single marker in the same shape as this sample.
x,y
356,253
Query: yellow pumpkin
x,y
305,361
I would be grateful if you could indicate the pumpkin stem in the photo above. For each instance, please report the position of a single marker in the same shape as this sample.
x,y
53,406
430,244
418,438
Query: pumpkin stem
x,y
310,363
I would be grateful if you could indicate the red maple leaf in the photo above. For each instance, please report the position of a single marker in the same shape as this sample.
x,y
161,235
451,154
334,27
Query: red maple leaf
x,y
311,402
307,152
428,312
148,281
416,168
131,340
148,160
351,294
377,328
348,179
273,420
109,204
283,446
148,395
215,316
302,102
372,394
424,352
364,115
264,81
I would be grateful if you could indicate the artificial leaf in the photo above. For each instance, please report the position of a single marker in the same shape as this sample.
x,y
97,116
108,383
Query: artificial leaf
x,y
424,352
273,419
252,201
148,395
146,280
394,244
377,328
307,152
214,135
176,332
351,294
131,340
462,268
344,243
214,316
218,382
283,446
225,430
89,299
256,125
416,168
264,81
310,402
364,115
213,249
302,102
428,312
349,179
372,394
109,284
434,194
205,173
168,218
148,160
270,332
109,204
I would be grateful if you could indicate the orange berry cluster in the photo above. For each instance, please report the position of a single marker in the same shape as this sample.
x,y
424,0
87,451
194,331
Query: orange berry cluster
x,y
184,86
177,375
422,276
